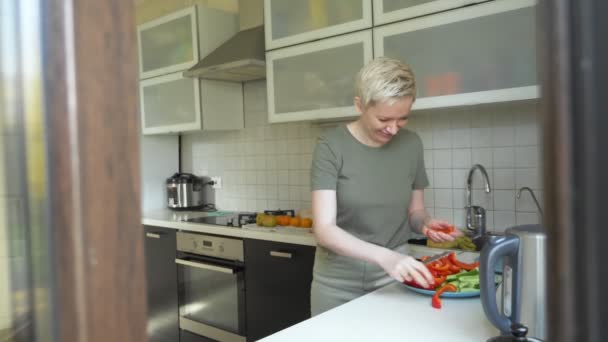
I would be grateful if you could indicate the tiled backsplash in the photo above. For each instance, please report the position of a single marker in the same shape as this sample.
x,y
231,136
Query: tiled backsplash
x,y
267,166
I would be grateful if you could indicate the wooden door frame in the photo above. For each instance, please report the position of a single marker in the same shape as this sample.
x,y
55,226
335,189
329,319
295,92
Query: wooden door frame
x,y
90,103
575,79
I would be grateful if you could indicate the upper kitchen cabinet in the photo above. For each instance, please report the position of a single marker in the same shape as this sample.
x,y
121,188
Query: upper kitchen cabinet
x,y
168,44
387,11
315,80
477,54
292,22
174,103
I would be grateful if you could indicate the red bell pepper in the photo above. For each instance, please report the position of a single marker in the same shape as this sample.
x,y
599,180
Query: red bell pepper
x,y
436,301
445,229
468,267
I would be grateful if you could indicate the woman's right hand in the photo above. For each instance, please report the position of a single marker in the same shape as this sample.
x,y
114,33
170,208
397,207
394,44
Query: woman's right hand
x,y
404,267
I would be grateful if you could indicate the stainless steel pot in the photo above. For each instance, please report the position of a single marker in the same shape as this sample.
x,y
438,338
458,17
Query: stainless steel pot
x,y
184,191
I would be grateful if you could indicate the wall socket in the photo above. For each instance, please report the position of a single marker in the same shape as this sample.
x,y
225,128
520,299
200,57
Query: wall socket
x,y
217,182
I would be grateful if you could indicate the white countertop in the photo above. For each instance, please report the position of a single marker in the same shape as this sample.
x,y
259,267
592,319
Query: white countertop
x,y
394,313
177,220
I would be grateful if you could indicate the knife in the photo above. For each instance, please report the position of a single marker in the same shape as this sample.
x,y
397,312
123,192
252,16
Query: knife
x,y
435,257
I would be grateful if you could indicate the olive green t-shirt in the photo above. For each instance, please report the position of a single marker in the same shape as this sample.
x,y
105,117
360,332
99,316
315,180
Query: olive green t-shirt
x,y
373,184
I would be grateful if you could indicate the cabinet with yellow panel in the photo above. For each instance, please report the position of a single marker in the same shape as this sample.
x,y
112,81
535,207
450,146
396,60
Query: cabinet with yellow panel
x,y
292,22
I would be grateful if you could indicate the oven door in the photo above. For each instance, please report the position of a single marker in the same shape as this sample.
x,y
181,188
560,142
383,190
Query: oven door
x,y
211,298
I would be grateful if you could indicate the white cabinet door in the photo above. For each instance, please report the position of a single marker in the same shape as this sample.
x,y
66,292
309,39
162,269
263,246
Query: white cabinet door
x,y
289,22
387,11
168,44
170,104
316,80
478,54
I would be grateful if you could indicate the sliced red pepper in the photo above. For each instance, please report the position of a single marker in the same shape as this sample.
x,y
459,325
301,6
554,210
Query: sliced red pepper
x,y
436,301
439,280
468,267
440,267
445,229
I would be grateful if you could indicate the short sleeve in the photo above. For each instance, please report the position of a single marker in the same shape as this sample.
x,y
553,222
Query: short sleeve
x,y
325,167
421,180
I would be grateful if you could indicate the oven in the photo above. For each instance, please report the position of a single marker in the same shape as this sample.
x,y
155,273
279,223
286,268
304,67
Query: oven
x,y
211,288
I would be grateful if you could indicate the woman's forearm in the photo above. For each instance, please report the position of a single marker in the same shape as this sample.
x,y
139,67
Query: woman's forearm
x,y
418,219
341,242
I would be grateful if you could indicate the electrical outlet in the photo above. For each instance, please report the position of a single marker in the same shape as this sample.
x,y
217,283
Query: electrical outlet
x,y
217,182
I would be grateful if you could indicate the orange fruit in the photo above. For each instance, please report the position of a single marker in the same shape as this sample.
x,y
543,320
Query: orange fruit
x,y
294,221
306,222
283,220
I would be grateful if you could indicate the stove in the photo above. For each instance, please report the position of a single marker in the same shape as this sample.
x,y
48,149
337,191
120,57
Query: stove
x,y
236,220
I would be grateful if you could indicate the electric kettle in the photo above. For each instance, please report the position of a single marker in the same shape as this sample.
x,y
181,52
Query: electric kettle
x,y
521,297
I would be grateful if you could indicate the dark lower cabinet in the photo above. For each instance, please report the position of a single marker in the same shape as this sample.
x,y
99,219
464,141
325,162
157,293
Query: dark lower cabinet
x,y
277,284
161,277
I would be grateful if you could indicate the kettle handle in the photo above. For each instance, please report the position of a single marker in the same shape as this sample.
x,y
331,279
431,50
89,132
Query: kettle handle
x,y
490,254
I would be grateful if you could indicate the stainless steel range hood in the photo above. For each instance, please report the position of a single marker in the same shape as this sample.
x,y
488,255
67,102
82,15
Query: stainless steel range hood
x,y
241,58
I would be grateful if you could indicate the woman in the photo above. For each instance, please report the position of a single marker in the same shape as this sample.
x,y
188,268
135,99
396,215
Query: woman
x,y
368,181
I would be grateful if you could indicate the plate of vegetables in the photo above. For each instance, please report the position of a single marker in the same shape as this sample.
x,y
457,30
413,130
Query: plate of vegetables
x,y
453,279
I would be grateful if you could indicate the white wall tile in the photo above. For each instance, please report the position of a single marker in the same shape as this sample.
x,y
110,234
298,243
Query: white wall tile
x,y
503,220
444,214
527,156
482,156
461,158
481,137
428,159
459,178
442,159
503,157
443,179
444,198
504,199
503,179
429,197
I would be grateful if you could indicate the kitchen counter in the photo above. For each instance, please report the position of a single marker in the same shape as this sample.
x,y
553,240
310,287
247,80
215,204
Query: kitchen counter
x,y
177,220
394,313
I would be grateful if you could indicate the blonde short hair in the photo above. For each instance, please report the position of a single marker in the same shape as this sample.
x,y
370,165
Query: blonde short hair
x,y
384,79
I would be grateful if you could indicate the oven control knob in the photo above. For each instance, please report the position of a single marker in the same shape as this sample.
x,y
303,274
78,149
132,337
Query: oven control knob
x,y
194,244
221,248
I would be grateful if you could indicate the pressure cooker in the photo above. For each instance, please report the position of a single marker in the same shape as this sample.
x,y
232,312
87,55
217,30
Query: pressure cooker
x,y
184,191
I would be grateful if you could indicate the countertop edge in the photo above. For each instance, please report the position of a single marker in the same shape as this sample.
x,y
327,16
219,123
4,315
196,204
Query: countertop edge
x,y
298,239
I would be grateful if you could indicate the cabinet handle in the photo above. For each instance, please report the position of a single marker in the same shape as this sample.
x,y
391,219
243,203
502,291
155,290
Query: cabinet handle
x,y
281,254
153,235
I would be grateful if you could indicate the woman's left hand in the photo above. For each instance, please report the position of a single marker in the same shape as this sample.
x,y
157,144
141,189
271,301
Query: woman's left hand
x,y
440,230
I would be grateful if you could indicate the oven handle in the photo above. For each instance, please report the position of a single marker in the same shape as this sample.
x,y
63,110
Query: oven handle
x,y
205,266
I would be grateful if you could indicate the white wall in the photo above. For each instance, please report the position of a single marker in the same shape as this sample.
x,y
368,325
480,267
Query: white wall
x,y
5,274
267,166
158,162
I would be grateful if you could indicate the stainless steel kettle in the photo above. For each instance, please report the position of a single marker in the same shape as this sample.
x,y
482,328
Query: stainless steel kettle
x,y
522,295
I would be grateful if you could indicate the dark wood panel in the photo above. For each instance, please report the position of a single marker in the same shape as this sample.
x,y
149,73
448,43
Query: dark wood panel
x,y
575,75
90,89
277,289
161,281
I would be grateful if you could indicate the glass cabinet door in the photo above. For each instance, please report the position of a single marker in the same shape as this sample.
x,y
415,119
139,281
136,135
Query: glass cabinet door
x,y
316,80
387,11
289,22
478,54
168,44
170,103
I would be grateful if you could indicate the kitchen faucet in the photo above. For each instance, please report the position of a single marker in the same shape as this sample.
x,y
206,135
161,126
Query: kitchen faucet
x,y
540,211
476,215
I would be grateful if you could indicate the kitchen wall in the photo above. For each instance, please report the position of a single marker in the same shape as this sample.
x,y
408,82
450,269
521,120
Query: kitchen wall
x,y
267,166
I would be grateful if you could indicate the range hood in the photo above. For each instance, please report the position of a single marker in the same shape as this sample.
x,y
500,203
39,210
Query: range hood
x,y
241,58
